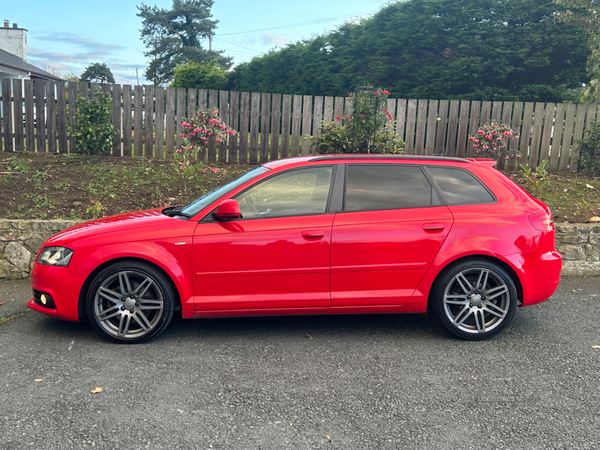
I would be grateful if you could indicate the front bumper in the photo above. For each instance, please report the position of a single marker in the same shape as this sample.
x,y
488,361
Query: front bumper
x,y
64,289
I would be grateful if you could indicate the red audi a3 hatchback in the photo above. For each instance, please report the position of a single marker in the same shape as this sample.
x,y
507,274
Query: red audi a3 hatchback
x,y
313,235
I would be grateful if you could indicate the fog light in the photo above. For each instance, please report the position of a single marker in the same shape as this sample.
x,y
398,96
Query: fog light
x,y
43,299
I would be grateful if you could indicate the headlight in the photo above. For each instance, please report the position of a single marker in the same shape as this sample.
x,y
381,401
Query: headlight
x,y
55,256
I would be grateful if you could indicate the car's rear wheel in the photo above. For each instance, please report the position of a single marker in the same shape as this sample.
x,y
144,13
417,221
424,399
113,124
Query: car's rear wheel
x,y
475,300
130,302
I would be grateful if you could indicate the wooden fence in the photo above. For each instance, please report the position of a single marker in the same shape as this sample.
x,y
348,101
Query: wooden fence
x,y
36,115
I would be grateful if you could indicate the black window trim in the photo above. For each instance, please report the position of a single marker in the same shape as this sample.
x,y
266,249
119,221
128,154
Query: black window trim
x,y
440,193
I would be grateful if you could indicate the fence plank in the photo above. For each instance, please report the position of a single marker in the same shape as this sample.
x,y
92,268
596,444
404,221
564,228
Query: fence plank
x,y
504,119
516,127
431,126
452,123
486,110
496,111
224,116
577,135
234,124
51,115
306,123
149,121
138,113
317,118
127,114
159,123
72,90
244,121
61,116
40,115
296,122
213,102
410,126
254,120
18,110
7,115
202,98
29,117
265,122
421,121
180,115
463,129
441,127
275,124
526,133
565,151
286,116
170,125
338,108
473,126
328,109
116,118
547,132
192,107
401,119
536,137
559,122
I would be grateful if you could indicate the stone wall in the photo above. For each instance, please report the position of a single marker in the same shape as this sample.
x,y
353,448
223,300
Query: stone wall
x,y
20,241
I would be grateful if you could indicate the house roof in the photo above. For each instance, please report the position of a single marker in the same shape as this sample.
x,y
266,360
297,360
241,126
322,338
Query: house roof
x,y
14,62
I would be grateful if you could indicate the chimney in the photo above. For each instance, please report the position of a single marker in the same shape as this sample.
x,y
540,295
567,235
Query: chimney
x,y
5,23
15,25
14,40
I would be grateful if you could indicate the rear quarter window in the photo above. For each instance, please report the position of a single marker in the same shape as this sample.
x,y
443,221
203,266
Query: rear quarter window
x,y
460,187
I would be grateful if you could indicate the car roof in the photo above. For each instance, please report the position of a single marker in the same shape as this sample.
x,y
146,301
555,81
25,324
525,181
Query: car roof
x,y
413,158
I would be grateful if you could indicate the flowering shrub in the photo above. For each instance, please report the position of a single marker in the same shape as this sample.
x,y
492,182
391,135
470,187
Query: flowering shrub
x,y
369,129
197,132
490,141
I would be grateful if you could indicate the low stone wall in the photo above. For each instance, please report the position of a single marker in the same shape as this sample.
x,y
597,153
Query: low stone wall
x,y
20,241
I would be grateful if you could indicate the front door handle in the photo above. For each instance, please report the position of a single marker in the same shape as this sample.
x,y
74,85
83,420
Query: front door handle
x,y
313,234
433,226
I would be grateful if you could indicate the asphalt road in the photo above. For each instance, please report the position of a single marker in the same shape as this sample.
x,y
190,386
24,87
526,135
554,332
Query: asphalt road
x,y
348,382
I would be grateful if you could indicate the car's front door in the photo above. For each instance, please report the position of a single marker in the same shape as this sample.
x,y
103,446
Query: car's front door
x,y
391,228
276,255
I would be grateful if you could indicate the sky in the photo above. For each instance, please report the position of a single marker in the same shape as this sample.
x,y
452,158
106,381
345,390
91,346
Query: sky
x,y
64,37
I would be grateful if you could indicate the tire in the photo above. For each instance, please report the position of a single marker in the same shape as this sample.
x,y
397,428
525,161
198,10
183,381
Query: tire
x,y
130,302
475,300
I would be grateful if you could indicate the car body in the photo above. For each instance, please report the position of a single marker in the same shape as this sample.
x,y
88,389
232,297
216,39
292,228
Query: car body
x,y
334,234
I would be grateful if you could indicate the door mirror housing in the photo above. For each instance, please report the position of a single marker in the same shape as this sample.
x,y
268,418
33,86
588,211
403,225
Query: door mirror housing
x,y
228,210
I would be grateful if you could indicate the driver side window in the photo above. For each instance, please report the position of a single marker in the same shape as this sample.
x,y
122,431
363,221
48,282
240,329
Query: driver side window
x,y
293,193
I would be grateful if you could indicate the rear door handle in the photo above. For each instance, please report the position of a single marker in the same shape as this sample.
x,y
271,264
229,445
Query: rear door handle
x,y
313,234
433,226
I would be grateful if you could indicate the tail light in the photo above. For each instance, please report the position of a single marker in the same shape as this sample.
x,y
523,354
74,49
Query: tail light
x,y
542,221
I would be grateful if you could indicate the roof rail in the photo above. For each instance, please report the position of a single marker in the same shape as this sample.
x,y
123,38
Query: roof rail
x,y
379,156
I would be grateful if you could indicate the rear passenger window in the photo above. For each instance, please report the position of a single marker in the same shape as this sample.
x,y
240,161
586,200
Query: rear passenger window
x,y
459,187
376,187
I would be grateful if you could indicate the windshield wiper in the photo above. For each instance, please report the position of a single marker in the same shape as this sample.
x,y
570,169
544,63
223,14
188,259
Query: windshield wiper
x,y
173,211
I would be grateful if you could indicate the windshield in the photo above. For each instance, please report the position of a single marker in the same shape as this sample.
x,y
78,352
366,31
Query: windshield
x,y
198,205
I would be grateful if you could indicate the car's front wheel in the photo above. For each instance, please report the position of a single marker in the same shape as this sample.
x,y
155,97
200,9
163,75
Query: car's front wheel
x,y
475,300
130,302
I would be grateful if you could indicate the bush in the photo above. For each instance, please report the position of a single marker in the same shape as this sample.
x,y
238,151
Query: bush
x,y
491,139
368,129
93,133
589,150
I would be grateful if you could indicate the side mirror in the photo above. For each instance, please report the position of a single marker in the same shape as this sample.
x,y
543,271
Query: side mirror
x,y
228,210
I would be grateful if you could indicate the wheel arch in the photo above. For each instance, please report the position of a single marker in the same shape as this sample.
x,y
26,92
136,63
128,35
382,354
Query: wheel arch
x,y
81,303
503,264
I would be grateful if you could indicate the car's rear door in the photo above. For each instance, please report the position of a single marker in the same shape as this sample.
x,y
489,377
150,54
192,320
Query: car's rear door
x,y
391,227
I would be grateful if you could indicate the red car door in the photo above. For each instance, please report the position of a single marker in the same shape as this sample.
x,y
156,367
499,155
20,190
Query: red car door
x,y
391,228
277,255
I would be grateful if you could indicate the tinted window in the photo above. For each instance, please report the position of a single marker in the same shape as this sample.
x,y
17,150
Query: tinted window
x,y
379,186
460,187
293,193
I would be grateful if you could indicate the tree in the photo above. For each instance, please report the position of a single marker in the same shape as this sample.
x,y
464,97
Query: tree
x,y
586,14
98,73
200,76
172,37
513,50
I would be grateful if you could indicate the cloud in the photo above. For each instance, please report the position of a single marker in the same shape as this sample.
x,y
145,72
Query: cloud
x,y
272,39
